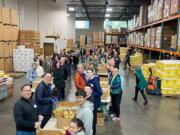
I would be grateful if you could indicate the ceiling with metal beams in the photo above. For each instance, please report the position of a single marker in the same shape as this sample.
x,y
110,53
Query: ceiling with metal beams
x,y
97,9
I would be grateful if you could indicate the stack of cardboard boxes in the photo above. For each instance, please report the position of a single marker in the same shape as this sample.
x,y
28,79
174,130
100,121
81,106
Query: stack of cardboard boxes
x,y
31,39
174,41
82,41
101,38
70,44
95,39
8,37
158,10
89,44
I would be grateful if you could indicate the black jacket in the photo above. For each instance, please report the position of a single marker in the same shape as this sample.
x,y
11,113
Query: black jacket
x,y
25,115
60,75
43,97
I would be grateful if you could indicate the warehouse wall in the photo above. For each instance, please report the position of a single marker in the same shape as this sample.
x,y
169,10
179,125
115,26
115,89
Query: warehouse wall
x,y
95,26
44,16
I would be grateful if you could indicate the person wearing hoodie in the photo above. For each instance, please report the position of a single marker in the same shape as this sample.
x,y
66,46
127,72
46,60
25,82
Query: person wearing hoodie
x,y
116,94
141,84
85,112
89,89
94,80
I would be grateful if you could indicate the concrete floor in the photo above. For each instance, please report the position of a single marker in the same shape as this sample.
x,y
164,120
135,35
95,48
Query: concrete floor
x,y
160,117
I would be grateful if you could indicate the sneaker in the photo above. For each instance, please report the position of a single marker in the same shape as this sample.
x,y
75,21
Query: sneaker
x,y
117,118
146,102
114,119
112,115
134,99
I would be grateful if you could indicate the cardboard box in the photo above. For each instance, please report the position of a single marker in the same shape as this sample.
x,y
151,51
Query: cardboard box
x,y
2,64
10,92
175,6
95,37
82,40
5,15
14,33
14,17
174,41
62,122
49,132
6,32
8,65
1,50
10,84
70,43
167,7
1,31
100,119
0,14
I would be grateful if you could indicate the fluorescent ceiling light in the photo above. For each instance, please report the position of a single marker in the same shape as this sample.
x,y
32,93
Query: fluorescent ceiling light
x,y
71,9
107,15
109,9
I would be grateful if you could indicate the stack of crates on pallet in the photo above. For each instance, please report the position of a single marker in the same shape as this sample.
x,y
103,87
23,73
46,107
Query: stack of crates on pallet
x,y
137,59
169,71
123,51
145,69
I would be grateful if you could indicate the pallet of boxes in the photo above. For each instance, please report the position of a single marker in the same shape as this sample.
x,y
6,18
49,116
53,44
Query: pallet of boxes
x,y
63,114
168,71
8,37
70,44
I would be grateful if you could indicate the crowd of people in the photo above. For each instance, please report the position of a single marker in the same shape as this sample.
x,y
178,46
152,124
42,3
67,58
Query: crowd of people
x,y
33,113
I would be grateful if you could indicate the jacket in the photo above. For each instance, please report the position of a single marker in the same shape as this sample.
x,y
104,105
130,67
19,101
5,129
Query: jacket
x,y
31,75
141,82
60,75
116,85
79,81
25,115
117,61
97,91
40,71
43,97
85,113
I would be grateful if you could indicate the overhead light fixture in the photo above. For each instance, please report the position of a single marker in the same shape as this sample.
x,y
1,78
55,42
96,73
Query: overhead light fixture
x,y
71,9
68,15
108,9
107,15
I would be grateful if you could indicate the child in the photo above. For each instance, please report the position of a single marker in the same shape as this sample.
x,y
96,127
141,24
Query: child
x,y
76,127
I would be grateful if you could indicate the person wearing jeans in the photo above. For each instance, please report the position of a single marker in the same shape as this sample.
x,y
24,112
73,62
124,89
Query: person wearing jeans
x,y
116,94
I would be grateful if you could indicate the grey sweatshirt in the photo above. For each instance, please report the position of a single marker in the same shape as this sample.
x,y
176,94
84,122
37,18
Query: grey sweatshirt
x,y
85,113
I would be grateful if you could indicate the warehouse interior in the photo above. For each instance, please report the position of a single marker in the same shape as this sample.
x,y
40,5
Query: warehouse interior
x,y
143,34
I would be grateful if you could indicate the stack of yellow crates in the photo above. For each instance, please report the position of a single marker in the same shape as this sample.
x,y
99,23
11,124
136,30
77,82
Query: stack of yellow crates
x,y
145,69
137,59
168,71
123,51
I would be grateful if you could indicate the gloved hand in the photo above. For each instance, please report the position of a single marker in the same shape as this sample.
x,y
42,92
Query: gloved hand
x,y
54,100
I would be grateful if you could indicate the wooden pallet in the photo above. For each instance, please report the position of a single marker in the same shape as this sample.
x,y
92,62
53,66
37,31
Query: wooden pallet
x,y
171,95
